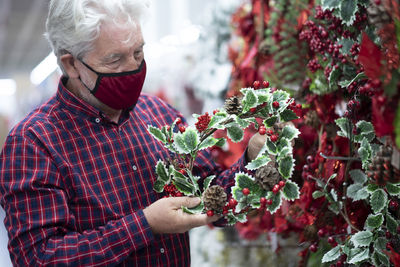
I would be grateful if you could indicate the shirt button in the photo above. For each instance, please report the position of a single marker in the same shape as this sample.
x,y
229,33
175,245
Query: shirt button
x,y
134,167
162,250
97,120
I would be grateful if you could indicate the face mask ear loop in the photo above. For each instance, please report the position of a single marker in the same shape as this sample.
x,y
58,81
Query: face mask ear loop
x,y
87,66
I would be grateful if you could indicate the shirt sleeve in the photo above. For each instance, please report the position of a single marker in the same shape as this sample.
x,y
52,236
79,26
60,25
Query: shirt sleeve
x,y
40,224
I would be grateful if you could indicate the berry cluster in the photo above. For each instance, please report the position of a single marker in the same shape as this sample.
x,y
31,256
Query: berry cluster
x,y
202,122
278,187
171,191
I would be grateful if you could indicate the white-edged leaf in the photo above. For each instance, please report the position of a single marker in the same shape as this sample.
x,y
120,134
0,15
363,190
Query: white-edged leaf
x,y
332,254
345,127
361,255
357,192
196,210
358,176
318,194
209,142
287,115
289,132
258,162
249,100
216,119
374,221
330,4
161,171
179,144
276,202
208,181
235,133
291,191
191,138
393,190
157,133
378,200
391,224
366,130
362,239
286,166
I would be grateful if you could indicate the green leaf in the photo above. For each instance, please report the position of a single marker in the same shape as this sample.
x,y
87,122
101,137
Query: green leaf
x,y
162,172
184,186
333,78
362,239
382,258
291,191
358,176
357,192
270,121
196,210
365,152
345,127
290,132
242,123
249,101
318,194
262,96
191,138
372,187
159,185
348,9
207,182
209,142
258,162
378,200
286,166
288,115
157,133
393,190
276,202
366,131
380,243
280,96
271,147
391,224
346,45
358,255
216,119
179,144
235,133
332,254
360,76
374,221
330,4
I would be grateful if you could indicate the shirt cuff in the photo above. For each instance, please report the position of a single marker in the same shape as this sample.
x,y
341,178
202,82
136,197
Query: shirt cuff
x,y
139,231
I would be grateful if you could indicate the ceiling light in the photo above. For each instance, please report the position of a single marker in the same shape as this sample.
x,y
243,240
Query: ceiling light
x,y
8,87
44,69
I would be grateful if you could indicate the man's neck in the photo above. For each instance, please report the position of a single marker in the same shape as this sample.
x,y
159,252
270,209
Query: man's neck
x,y
75,87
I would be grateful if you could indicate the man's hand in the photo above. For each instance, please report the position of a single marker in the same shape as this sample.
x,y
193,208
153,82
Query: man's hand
x,y
256,142
166,216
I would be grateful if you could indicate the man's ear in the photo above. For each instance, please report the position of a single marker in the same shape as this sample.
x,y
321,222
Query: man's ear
x,y
68,62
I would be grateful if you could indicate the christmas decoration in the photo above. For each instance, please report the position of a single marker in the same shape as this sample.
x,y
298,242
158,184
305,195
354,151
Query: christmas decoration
x,y
261,107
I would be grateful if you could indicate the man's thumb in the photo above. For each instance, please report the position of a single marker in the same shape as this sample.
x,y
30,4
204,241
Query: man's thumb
x,y
189,202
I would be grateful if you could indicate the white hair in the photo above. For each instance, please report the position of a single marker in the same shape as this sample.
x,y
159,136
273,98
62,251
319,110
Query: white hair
x,y
72,26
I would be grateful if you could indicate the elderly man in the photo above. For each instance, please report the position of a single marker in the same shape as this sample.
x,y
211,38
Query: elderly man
x,y
76,175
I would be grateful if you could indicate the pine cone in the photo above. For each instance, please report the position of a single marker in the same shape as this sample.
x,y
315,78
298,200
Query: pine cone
x,y
214,198
377,15
233,105
381,169
267,176
312,119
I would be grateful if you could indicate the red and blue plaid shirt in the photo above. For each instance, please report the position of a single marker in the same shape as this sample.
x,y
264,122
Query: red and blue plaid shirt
x,y
74,186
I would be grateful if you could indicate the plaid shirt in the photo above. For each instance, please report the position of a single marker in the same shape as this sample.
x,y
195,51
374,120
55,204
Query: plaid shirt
x,y
74,186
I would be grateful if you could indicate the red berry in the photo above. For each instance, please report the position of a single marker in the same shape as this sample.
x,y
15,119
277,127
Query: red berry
x,y
256,84
388,235
269,202
262,130
331,240
310,159
210,213
275,104
246,191
321,233
339,264
270,132
182,171
274,138
182,129
179,194
393,205
179,121
281,184
298,106
388,245
265,84
313,248
263,201
276,189
232,203
215,111
252,110
224,212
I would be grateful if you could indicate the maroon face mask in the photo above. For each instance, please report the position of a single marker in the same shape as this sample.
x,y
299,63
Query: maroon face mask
x,y
119,90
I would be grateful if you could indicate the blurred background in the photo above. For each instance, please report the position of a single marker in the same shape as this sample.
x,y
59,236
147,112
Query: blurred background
x,y
186,53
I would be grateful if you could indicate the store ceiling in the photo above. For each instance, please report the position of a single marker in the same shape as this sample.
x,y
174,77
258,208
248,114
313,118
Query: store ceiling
x,y
22,44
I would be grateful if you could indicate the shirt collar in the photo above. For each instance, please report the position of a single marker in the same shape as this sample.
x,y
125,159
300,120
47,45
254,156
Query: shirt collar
x,y
80,107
